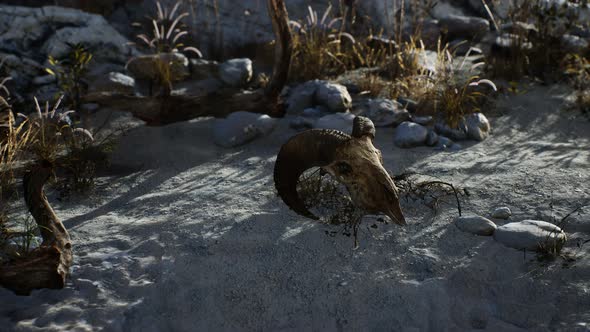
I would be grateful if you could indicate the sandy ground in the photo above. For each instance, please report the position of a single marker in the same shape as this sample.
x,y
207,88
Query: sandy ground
x,y
188,236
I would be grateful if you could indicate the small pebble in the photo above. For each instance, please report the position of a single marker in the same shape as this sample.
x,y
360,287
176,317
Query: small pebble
x,y
502,213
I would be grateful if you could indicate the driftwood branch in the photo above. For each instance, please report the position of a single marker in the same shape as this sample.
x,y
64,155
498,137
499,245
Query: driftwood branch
x,y
161,110
283,47
47,266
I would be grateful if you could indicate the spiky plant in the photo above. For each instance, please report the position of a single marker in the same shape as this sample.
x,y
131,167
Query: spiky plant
x,y
53,131
167,30
13,139
319,48
536,52
70,71
456,91
371,51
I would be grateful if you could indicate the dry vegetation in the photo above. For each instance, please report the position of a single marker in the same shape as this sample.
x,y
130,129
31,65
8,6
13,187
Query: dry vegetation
x,y
325,45
164,34
46,136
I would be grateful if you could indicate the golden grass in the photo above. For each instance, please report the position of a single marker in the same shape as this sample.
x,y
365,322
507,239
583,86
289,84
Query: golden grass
x,y
321,47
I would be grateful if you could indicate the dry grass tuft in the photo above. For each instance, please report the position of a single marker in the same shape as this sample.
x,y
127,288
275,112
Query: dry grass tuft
x,y
457,90
372,84
165,34
14,138
166,31
535,52
321,47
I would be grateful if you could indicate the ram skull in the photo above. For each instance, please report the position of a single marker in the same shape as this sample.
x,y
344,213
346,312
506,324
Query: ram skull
x,y
351,160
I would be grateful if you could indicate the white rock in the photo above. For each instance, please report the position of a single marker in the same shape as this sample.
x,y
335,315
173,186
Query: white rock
x,y
519,28
334,96
478,126
530,235
301,97
114,82
236,72
49,30
385,112
507,41
445,9
501,213
338,121
242,127
476,225
22,70
409,134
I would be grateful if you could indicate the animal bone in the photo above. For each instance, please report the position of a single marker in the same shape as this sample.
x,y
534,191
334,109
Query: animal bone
x,y
351,160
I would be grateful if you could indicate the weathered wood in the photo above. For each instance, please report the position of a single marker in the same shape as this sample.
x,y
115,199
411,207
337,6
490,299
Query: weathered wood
x,y
283,47
162,110
47,266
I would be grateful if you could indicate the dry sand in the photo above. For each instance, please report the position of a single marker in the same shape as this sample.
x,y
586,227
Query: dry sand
x,y
192,237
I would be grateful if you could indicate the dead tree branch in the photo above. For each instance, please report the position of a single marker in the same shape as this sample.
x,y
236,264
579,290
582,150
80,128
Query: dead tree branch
x,y
49,265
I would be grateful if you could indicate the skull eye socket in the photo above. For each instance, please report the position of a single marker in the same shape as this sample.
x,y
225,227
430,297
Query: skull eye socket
x,y
343,168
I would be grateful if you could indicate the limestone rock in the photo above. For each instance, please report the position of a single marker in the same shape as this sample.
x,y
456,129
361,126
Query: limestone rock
x,y
114,82
242,127
301,97
236,72
478,126
338,121
501,213
530,235
477,225
409,134
48,30
385,112
334,96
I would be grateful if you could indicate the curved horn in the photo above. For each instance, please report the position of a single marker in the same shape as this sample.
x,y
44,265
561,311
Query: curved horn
x,y
362,126
311,148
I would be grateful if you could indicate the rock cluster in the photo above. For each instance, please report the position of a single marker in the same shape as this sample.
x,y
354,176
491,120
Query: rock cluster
x,y
534,235
334,97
